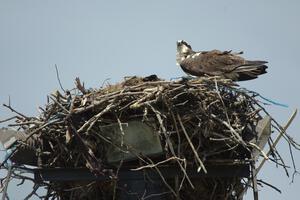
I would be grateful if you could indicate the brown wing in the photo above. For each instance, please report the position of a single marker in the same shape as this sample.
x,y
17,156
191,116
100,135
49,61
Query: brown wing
x,y
214,63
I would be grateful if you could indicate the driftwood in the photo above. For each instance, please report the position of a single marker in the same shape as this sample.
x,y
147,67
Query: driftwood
x,y
199,121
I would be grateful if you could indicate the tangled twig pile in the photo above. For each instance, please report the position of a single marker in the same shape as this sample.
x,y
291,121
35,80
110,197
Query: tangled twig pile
x,y
199,122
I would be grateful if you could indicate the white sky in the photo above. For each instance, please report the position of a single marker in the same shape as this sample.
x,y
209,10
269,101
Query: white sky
x,y
96,40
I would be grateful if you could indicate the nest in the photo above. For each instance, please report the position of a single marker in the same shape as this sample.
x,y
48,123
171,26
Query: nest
x,y
199,122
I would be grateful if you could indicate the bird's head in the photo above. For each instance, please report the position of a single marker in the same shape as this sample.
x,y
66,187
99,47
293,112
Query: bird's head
x,y
183,47
183,50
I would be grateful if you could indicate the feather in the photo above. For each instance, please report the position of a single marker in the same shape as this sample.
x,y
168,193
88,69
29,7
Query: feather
x,y
218,63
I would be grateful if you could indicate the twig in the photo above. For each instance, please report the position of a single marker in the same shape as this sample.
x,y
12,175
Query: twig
x,y
254,181
221,99
59,104
158,163
94,119
122,131
268,184
4,192
260,150
170,145
151,196
33,192
8,119
192,147
57,76
13,110
163,179
80,86
116,181
237,136
278,138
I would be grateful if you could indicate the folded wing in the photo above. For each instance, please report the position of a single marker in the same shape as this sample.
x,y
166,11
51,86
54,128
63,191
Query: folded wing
x,y
224,64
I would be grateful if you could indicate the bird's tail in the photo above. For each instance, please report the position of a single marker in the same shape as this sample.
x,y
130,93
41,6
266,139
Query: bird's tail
x,y
251,70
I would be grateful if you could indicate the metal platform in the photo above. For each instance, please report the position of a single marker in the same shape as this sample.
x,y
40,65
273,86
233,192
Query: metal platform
x,y
125,174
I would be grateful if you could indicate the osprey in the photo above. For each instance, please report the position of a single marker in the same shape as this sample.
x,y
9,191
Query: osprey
x,y
217,63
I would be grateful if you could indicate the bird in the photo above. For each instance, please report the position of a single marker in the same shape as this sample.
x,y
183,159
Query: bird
x,y
224,64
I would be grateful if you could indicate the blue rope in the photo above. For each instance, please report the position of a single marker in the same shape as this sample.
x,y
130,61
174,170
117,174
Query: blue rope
x,y
264,98
273,102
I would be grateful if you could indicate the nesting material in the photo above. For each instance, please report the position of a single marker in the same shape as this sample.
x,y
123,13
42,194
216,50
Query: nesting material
x,y
194,123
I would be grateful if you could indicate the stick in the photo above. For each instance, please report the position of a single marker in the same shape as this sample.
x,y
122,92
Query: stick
x,y
278,138
273,146
13,110
94,119
80,86
170,145
57,76
192,147
158,163
237,136
4,194
8,119
254,181
259,149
